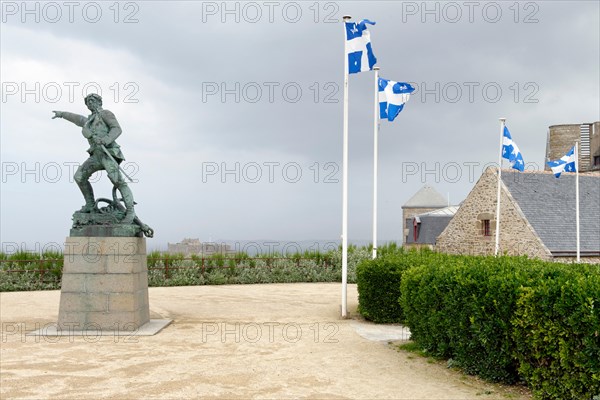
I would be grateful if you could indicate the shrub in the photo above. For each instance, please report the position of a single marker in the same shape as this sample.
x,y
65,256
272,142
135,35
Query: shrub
x,y
197,270
379,283
422,301
23,270
155,259
557,334
508,319
461,308
26,281
481,304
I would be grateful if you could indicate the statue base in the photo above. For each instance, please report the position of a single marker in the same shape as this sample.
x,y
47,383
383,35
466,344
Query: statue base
x,y
104,284
103,223
106,222
118,230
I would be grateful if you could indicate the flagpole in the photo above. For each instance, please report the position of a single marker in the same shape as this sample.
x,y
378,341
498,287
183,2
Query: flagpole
x,y
375,161
497,246
345,19
577,198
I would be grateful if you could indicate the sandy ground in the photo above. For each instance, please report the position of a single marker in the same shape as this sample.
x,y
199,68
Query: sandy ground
x,y
245,341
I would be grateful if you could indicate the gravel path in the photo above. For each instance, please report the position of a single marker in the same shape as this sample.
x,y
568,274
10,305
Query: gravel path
x,y
243,341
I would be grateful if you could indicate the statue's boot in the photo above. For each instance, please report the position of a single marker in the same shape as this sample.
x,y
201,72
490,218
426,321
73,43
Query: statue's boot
x,y
88,195
128,200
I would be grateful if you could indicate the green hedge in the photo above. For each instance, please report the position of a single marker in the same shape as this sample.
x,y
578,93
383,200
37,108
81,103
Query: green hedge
x,y
379,280
509,319
557,334
461,307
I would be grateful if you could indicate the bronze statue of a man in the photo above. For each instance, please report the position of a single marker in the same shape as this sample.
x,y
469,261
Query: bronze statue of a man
x,y
101,129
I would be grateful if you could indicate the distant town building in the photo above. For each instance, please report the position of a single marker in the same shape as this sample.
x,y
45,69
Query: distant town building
x,y
562,137
189,247
423,229
425,200
537,217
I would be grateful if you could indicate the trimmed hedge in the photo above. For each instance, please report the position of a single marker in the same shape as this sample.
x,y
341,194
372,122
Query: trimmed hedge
x,y
509,319
557,334
461,307
378,283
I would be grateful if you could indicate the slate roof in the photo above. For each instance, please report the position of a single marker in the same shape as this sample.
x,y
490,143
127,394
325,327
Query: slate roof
x,y
433,224
451,210
549,205
426,197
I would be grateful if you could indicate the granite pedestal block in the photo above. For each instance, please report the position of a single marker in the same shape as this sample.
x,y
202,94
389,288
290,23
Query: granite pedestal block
x,y
104,284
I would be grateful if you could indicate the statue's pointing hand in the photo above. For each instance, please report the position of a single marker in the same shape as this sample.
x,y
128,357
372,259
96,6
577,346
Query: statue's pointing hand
x,y
57,114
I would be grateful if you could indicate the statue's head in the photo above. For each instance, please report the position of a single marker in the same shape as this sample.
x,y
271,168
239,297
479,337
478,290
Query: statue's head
x,y
93,101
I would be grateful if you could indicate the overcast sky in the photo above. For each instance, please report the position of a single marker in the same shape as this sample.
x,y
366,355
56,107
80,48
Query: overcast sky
x,y
232,112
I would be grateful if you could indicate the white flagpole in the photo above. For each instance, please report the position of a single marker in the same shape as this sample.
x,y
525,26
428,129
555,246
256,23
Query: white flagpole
x,y
577,198
345,19
375,151
497,247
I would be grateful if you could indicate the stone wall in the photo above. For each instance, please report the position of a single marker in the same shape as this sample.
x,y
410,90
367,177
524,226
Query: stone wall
x,y
463,234
562,137
560,140
188,247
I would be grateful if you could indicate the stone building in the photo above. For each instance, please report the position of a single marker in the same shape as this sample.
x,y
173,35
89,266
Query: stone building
x,y
188,247
425,200
423,229
537,217
562,137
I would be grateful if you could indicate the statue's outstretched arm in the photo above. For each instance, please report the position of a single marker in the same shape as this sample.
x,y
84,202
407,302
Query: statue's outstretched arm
x,y
77,119
114,129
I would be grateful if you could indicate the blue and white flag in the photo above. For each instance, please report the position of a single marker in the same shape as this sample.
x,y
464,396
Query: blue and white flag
x,y
392,96
567,163
511,152
358,47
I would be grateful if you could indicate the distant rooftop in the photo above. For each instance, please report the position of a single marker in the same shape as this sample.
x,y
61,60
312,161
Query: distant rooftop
x,y
426,197
446,211
430,225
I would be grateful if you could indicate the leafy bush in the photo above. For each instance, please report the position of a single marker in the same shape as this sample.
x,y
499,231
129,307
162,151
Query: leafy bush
x,y
28,280
175,270
379,283
461,307
154,259
424,307
24,270
241,269
508,319
557,334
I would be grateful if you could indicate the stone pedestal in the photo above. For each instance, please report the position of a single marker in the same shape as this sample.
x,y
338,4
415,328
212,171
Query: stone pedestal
x,y
104,284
